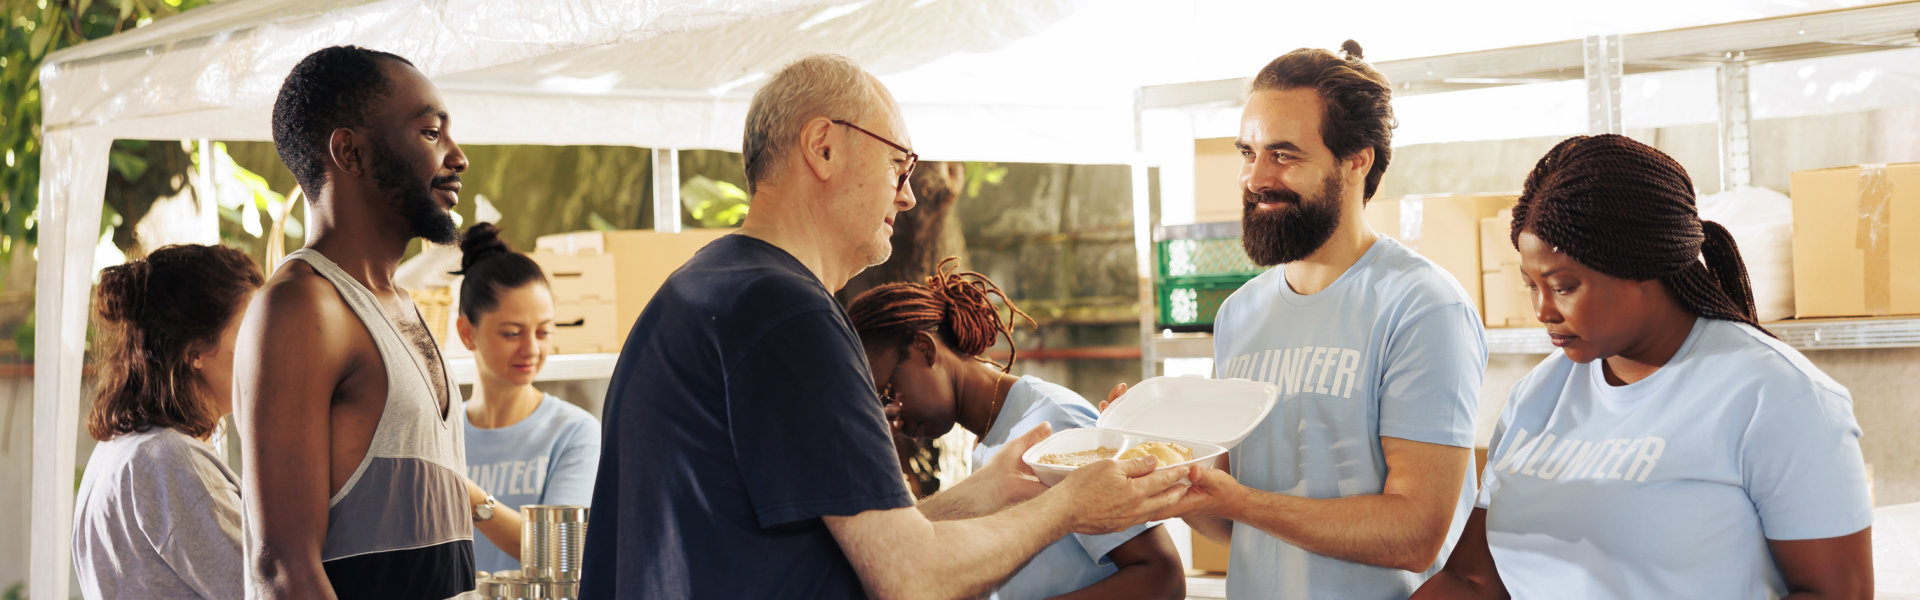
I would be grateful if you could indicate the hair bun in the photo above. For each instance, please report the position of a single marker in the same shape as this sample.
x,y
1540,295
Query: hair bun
x,y
1351,49
481,241
123,291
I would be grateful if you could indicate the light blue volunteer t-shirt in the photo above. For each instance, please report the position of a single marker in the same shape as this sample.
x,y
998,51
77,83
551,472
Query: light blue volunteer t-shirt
x,y
1393,348
550,457
1670,487
1075,561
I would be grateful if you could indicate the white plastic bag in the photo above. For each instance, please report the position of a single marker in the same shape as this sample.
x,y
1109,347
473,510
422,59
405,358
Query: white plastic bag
x,y
1761,221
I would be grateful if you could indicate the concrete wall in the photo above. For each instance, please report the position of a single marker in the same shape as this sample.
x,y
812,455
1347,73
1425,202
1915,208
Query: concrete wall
x,y
1058,239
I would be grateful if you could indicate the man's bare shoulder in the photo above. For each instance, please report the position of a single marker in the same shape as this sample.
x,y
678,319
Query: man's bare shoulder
x,y
296,288
299,310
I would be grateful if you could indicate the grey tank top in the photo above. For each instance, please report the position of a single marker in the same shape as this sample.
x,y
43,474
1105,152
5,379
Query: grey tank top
x,y
407,495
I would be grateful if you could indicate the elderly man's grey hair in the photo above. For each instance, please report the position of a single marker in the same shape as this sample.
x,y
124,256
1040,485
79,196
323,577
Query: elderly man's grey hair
x,y
821,85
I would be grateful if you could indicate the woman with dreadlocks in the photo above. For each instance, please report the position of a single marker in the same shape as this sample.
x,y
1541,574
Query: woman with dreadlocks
x,y
926,339
1671,448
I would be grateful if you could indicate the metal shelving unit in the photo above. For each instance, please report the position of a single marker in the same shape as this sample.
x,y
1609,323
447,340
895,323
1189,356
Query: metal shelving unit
x,y
1816,334
560,367
1601,61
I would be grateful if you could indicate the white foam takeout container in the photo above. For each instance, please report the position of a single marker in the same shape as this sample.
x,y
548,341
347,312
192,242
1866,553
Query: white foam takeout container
x,y
1208,416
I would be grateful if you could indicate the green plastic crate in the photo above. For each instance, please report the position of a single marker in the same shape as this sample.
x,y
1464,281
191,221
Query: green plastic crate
x,y
1189,304
1215,257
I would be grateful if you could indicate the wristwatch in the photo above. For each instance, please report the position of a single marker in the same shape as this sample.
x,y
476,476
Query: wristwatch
x,y
485,510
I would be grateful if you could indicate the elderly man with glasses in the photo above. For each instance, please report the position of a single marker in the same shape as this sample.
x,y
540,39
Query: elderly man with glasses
x,y
746,452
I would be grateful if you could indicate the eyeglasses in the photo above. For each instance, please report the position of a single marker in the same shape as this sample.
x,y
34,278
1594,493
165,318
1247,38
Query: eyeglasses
x,y
886,391
912,159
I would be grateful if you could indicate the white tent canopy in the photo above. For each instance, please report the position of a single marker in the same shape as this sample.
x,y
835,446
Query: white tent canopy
x,y
1008,80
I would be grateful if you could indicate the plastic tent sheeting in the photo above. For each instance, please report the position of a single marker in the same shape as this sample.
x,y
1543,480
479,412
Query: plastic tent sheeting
x,y
214,72
1009,80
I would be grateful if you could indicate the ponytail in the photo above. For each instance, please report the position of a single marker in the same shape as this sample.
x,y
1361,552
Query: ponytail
x,y
1723,260
153,317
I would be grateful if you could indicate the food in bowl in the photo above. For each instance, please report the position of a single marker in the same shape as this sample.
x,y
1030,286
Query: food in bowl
x,y
1078,459
1168,453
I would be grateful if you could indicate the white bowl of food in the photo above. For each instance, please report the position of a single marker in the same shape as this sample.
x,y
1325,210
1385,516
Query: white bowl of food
x,y
1194,419
1057,456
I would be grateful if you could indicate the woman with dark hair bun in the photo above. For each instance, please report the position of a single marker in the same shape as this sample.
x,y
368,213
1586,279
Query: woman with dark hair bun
x,y
923,341
1671,447
523,446
158,512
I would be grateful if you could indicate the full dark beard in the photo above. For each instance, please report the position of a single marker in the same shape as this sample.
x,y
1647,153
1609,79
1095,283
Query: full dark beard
x,y
1291,232
422,212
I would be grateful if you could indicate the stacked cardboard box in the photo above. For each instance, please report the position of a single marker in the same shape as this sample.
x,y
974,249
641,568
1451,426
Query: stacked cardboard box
x,y
1508,302
1856,241
1217,195
1445,229
584,301
601,280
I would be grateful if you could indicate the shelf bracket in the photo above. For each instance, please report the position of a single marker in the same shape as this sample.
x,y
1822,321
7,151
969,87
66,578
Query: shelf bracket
x,y
1603,67
1736,115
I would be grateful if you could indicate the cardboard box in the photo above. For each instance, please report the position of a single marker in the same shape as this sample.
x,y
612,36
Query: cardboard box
x,y
1217,195
1856,241
1444,228
587,328
578,277
1208,555
642,260
1496,243
1509,303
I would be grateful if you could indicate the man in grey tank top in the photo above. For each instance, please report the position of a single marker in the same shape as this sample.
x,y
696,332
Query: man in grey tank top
x,y
352,472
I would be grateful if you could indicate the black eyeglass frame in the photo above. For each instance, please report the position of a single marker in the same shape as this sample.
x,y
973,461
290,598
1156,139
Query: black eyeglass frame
x,y
913,159
886,391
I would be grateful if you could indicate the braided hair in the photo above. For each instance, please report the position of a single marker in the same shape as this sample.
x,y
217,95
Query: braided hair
x,y
956,304
1626,209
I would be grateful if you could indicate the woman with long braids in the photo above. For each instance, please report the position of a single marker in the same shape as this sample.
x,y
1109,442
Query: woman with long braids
x,y
924,343
1671,447
158,512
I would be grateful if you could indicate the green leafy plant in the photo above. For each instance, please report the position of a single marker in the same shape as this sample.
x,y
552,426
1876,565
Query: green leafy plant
x,y
714,203
599,223
246,200
983,173
34,29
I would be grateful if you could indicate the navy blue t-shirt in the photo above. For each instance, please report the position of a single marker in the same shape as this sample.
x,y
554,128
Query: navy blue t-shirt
x,y
741,412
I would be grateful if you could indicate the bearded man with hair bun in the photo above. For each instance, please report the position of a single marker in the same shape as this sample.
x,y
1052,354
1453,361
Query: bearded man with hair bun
x,y
1358,481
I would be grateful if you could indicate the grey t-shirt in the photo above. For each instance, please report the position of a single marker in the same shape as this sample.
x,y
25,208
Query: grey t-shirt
x,y
158,516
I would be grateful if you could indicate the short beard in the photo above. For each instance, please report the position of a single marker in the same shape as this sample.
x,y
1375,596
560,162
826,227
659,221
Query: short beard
x,y
1293,231
418,207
